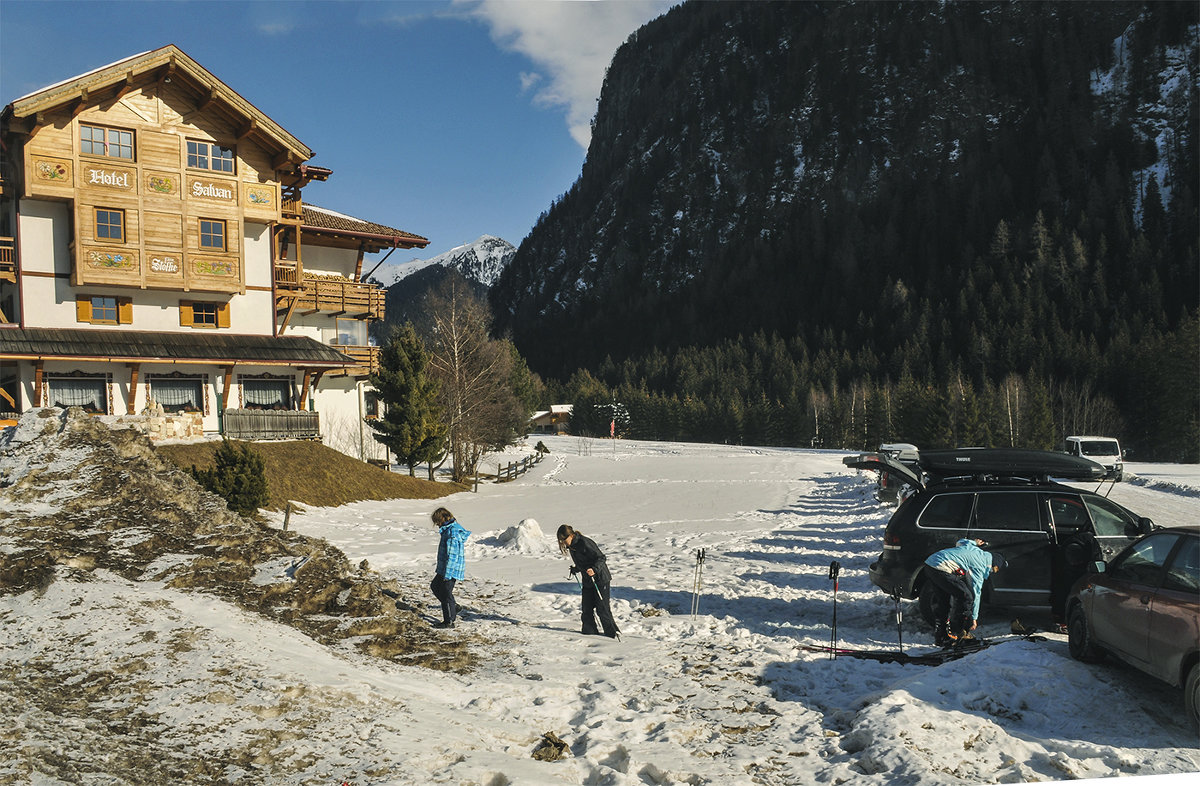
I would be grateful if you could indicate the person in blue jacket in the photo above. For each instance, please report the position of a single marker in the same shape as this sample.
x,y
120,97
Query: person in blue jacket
x,y
451,564
956,576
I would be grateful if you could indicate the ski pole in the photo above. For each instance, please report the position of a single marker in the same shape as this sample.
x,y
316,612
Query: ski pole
x,y
597,586
899,620
835,568
697,582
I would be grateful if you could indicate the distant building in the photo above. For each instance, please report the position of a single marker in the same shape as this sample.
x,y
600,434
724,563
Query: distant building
x,y
556,420
154,249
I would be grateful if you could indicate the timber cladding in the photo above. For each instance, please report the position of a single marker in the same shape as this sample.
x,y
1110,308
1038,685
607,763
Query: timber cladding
x,y
161,185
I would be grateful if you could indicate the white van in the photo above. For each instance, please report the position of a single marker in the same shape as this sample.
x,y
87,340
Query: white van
x,y
1105,451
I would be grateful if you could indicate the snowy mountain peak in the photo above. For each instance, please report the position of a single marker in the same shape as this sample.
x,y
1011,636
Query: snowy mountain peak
x,y
482,261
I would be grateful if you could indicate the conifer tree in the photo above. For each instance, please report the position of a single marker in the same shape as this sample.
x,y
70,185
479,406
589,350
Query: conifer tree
x,y
411,425
238,475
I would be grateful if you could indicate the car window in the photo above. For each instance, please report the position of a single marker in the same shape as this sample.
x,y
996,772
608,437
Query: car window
x,y
1067,512
947,511
1143,562
1111,519
1184,571
1007,510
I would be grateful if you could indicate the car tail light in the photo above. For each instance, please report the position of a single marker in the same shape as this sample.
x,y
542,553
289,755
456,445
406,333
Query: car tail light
x,y
891,541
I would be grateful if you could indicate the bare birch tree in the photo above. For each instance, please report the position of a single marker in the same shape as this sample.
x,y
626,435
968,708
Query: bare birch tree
x,y
481,411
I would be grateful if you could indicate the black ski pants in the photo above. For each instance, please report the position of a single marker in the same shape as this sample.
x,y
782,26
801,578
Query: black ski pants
x,y
953,598
595,604
443,590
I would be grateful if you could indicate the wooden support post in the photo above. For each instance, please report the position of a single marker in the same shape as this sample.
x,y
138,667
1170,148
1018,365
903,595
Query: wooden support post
x,y
133,381
304,390
226,388
38,379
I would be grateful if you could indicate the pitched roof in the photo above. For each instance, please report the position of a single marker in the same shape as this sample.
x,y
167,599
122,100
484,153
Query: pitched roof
x,y
167,62
331,222
139,346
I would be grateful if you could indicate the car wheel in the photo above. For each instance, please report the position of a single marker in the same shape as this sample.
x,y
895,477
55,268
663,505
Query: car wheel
x,y
1191,695
1079,637
925,603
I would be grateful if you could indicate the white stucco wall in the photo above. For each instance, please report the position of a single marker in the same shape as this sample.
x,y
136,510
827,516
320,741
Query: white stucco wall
x,y
45,237
330,261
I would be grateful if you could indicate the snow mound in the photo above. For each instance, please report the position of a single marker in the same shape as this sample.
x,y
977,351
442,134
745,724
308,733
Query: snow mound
x,y
526,538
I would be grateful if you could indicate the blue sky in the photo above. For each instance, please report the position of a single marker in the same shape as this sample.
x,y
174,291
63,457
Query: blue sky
x,y
448,119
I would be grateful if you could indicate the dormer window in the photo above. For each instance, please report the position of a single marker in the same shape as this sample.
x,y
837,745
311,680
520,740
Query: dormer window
x,y
101,141
206,155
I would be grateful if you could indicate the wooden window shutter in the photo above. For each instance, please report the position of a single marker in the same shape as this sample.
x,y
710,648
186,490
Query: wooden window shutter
x,y
185,313
223,315
124,311
83,308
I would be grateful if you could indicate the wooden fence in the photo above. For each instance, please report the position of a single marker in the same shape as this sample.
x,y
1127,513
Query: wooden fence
x,y
515,469
253,424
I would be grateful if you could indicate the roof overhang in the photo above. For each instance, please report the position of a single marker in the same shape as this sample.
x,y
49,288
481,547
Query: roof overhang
x,y
168,63
182,348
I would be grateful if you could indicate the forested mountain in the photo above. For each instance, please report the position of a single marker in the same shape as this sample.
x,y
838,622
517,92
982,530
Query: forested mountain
x,y
792,210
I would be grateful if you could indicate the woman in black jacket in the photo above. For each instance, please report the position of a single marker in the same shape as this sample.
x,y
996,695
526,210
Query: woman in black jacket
x,y
590,563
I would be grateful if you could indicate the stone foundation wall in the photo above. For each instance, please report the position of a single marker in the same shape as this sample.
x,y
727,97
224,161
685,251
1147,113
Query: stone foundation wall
x,y
185,425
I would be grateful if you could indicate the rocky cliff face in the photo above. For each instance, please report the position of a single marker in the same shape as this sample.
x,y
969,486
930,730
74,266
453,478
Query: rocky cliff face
x,y
791,167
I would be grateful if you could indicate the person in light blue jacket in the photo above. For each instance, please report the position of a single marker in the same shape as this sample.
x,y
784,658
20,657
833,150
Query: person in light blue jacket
x,y
451,564
956,576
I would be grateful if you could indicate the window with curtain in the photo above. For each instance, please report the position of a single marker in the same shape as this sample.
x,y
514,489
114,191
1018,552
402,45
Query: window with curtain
x,y
266,394
91,393
176,394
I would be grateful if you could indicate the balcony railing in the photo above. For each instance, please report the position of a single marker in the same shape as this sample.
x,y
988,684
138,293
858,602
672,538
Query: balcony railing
x,y
251,424
366,358
336,295
8,259
288,276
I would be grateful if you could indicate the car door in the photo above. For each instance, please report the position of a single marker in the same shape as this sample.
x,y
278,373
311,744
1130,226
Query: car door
x,y
1174,623
1114,526
1011,523
1123,595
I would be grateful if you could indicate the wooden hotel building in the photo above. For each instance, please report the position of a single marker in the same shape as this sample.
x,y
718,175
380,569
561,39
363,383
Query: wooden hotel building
x,y
156,255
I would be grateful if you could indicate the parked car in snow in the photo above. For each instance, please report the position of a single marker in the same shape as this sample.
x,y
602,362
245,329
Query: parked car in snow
x,y
1105,451
1143,607
1005,497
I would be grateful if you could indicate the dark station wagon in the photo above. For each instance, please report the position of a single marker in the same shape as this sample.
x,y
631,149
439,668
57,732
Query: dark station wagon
x,y
1005,497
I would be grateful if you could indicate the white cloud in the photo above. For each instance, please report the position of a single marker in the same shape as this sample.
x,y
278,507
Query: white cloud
x,y
572,43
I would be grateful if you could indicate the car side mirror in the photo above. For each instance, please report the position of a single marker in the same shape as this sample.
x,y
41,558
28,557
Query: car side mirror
x,y
1145,525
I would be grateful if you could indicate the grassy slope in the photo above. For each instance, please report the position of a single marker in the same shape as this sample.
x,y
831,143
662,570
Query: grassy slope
x,y
312,474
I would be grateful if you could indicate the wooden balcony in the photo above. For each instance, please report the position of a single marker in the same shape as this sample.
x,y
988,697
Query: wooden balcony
x,y
288,276
338,296
8,259
366,359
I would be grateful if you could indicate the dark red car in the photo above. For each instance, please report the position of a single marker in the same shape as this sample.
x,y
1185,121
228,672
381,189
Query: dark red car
x,y
1144,608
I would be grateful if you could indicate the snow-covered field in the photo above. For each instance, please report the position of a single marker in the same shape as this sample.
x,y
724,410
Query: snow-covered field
x,y
728,696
